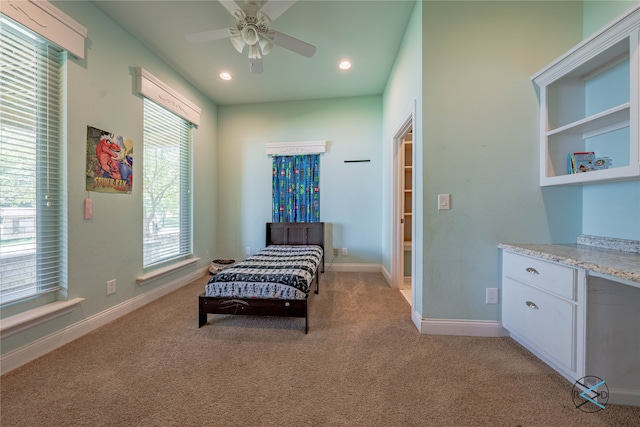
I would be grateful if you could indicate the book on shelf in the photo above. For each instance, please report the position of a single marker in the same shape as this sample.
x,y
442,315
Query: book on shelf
x,y
586,161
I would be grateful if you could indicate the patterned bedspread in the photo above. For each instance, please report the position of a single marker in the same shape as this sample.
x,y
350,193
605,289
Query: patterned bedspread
x,y
277,271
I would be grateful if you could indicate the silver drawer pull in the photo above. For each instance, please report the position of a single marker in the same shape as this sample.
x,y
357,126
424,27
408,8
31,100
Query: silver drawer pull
x,y
532,270
532,305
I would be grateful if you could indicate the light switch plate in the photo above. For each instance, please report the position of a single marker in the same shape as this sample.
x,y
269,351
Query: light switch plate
x,y
444,202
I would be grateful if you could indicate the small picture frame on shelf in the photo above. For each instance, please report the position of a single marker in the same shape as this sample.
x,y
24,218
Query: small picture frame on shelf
x,y
603,163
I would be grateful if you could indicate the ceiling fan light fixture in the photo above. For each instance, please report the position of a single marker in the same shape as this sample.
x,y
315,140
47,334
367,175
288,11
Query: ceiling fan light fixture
x,y
238,43
344,64
250,35
254,52
265,45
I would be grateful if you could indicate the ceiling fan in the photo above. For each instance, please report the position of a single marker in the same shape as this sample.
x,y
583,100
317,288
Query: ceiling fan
x,y
252,31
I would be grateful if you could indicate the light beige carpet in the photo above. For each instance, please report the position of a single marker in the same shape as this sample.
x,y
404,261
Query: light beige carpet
x,y
363,363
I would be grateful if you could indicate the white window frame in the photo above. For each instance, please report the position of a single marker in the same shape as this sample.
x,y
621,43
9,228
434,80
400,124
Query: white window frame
x,y
32,105
47,21
154,90
166,134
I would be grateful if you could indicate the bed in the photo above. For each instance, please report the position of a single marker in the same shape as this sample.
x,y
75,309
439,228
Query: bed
x,y
276,281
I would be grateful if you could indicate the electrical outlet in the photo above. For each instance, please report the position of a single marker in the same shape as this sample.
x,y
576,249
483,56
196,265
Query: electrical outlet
x,y
344,252
247,250
111,287
206,254
336,251
492,295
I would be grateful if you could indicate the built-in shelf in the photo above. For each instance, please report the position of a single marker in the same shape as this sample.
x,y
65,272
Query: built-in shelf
x,y
614,174
598,124
407,185
589,102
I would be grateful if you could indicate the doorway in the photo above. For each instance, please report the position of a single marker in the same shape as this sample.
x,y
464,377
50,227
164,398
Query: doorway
x,y
407,213
403,228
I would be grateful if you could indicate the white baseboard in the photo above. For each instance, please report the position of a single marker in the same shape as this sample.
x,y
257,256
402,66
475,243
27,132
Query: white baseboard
x,y
416,319
475,328
386,274
618,396
359,268
44,345
471,328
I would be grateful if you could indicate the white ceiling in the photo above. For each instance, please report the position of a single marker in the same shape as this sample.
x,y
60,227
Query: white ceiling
x,y
367,32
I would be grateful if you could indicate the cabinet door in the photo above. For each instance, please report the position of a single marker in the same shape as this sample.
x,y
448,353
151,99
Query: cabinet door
x,y
543,321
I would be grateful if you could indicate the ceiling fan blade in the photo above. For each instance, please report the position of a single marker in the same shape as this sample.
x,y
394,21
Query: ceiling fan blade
x,y
206,36
230,5
274,8
255,65
294,45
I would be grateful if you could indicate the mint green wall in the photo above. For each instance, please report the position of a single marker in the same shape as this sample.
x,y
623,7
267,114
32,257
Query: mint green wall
x,y
612,209
402,94
598,13
480,139
350,193
101,93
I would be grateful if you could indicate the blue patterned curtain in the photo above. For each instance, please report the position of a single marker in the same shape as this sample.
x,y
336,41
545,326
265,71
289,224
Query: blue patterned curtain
x,y
296,188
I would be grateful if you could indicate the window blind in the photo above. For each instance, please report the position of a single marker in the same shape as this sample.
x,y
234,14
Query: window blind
x,y
167,201
31,190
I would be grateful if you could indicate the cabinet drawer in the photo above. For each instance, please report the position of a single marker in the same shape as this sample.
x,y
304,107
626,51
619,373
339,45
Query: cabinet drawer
x,y
545,275
541,318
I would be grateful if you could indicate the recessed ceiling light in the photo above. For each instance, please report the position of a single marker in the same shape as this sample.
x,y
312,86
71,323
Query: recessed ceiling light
x,y
225,76
344,65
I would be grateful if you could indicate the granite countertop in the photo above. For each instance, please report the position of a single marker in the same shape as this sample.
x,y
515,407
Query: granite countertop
x,y
608,262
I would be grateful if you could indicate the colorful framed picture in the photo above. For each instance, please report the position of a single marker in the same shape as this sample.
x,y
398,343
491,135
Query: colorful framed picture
x,y
109,162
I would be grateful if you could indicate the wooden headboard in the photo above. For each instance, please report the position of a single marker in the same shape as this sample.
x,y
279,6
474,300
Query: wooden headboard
x,y
296,233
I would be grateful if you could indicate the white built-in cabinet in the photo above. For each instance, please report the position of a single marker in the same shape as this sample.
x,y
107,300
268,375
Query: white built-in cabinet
x,y
578,323
589,103
407,182
543,307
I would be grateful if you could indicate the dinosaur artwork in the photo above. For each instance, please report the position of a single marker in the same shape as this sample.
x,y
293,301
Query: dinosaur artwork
x,y
109,162
107,152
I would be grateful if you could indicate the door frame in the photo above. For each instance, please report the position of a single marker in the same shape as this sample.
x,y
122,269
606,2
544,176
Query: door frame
x,y
397,238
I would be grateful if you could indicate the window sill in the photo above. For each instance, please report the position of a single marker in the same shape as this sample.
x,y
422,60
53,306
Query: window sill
x,y
156,274
30,318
